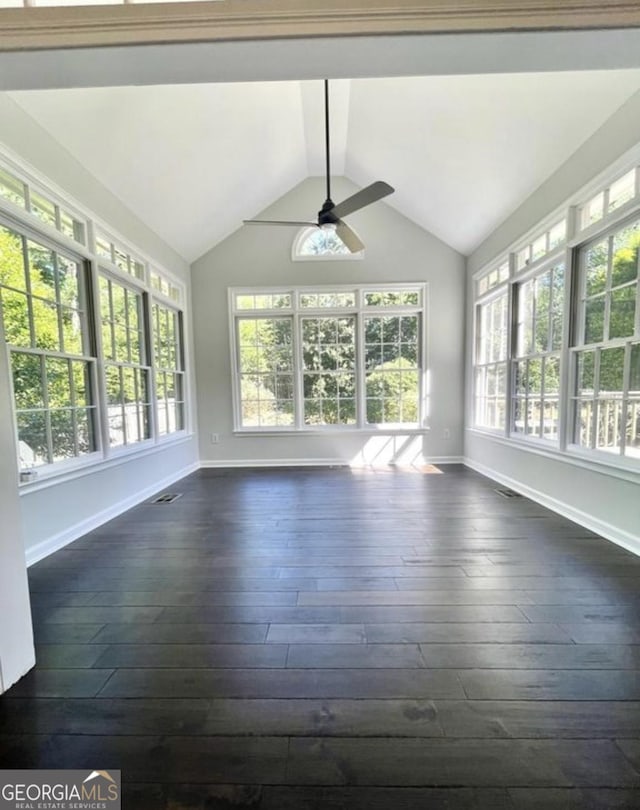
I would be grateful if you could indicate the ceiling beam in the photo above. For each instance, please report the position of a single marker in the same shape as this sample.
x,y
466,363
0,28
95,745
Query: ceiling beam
x,y
261,20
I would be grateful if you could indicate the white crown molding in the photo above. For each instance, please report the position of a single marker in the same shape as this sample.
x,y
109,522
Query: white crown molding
x,y
150,23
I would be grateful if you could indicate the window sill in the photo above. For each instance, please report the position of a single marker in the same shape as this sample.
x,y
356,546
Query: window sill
x,y
602,463
336,430
92,465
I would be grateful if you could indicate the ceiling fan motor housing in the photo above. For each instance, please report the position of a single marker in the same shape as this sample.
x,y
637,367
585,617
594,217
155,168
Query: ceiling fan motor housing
x,y
326,215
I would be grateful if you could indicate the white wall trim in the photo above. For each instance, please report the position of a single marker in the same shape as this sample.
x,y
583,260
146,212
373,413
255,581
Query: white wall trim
x,y
62,539
320,462
618,536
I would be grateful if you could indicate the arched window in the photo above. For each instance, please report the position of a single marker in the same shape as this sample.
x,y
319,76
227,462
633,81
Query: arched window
x,y
313,244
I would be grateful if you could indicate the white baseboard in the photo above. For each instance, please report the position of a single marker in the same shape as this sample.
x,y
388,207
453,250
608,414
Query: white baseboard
x,y
607,530
62,539
318,462
272,462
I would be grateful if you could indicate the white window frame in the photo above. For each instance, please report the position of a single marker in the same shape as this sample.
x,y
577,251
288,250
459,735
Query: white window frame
x,y
28,234
297,312
577,239
172,293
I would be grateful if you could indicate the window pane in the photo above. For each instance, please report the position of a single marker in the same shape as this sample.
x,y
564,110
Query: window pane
x,y
322,242
266,366
594,320
557,308
28,387
58,382
597,258
389,299
625,255
586,373
33,447
623,312
622,190
43,208
11,188
42,271
593,210
327,300
15,307
72,227
584,423
45,321
557,234
542,312
85,434
63,434
12,271
611,371
525,318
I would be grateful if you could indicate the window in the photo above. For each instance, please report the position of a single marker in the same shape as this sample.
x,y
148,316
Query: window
x,y
536,369
265,357
43,298
609,199
607,350
329,370
491,362
317,358
41,206
125,363
321,243
169,374
96,353
494,277
119,255
542,245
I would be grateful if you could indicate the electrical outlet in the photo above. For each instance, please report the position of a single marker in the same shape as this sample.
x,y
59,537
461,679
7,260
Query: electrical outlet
x,y
446,433
215,438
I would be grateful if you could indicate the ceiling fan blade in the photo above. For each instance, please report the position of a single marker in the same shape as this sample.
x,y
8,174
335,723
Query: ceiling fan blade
x,y
370,194
289,223
349,237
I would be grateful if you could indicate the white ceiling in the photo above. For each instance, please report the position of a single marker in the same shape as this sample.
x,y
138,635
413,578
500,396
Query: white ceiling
x,y
462,152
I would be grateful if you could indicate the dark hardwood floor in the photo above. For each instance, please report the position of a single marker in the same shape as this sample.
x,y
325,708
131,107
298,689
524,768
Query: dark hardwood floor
x,y
329,638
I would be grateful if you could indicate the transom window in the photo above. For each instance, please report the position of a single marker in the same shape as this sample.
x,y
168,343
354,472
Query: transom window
x,y
321,243
332,357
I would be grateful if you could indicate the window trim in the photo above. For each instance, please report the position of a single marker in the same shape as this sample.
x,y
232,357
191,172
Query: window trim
x,y
577,239
18,218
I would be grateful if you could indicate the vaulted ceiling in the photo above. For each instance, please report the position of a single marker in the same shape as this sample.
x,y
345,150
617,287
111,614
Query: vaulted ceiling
x,y
462,151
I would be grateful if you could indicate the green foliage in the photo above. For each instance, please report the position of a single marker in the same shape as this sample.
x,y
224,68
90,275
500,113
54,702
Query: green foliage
x,y
51,393
329,366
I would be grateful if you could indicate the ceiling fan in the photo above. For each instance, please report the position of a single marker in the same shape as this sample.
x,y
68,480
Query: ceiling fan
x,y
330,215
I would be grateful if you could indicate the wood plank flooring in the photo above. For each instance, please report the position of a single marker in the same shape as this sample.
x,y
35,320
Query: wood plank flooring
x,y
296,639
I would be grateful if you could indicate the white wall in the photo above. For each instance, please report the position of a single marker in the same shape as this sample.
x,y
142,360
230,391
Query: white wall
x,y
396,250
593,495
16,637
55,513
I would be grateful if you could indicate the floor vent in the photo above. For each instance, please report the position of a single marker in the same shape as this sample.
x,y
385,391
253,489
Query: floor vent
x,y
168,497
508,493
